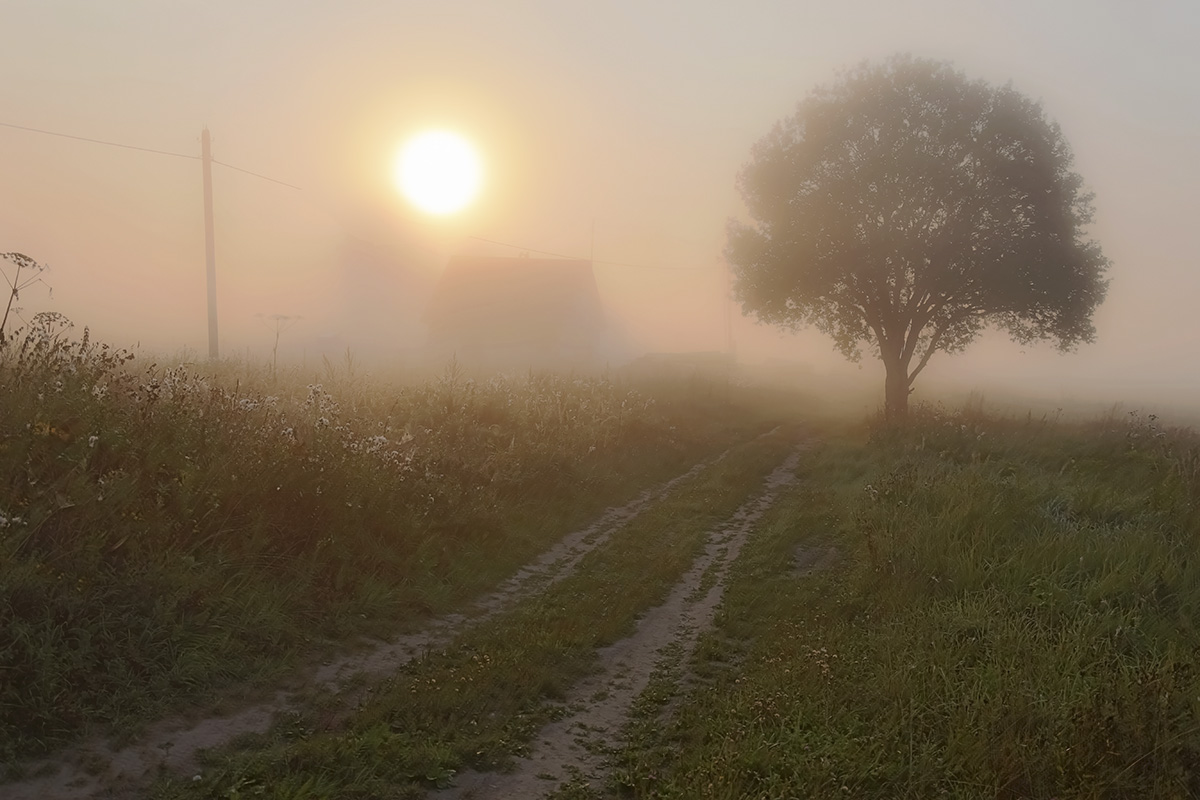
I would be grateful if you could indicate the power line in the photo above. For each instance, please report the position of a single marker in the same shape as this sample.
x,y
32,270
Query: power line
x,y
297,188
144,150
255,174
185,155
98,141
579,258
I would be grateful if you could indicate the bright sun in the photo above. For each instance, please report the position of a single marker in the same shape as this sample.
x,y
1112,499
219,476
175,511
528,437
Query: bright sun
x,y
439,172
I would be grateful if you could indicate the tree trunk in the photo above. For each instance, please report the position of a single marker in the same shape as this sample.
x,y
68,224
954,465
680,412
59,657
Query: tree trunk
x,y
895,404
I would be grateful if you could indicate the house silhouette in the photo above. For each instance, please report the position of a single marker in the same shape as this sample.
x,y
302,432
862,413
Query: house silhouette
x,y
516,313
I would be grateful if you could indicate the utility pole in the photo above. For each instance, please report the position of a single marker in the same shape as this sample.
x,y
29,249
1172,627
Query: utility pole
x,y
727,307
210,258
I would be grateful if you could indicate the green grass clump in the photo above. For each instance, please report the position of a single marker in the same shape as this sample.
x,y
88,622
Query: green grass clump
x,y
167,531
1013,615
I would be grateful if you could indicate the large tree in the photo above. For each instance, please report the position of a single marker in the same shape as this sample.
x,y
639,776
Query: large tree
x,y
905,208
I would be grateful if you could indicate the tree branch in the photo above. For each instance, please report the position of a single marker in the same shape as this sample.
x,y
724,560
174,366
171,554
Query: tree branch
x,y
916,325
934,343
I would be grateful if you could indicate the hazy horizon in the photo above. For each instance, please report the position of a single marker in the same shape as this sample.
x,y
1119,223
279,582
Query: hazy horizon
x,y
612,131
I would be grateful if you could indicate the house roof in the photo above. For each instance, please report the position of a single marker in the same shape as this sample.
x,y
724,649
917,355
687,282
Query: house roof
x,y
506,300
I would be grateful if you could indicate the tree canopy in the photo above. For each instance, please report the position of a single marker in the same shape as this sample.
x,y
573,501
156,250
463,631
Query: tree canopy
x,y
905,208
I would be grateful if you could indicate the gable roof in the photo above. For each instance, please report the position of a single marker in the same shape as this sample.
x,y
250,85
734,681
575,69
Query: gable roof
x,y
503,301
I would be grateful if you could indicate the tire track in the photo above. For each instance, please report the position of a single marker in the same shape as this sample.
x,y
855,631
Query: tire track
x,y
99,769
576,745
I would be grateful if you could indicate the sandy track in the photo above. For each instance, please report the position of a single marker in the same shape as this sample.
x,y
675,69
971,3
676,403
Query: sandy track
x,y
576,745
174,743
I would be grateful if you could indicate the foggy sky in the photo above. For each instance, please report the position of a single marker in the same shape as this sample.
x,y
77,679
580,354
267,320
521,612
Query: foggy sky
x,y
629,119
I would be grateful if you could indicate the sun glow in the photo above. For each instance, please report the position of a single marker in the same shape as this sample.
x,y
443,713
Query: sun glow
x,y
439,172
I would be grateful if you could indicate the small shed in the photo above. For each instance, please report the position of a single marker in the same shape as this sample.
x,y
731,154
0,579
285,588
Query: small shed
x,y
516,313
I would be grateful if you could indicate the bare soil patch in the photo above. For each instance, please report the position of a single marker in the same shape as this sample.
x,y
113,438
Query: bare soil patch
x,y
807,559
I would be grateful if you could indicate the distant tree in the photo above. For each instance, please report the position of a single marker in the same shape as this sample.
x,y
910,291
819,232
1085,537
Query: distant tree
x,y
905,208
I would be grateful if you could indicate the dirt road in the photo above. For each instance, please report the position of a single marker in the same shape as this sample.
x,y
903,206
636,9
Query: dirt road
x,y
98,769
574,748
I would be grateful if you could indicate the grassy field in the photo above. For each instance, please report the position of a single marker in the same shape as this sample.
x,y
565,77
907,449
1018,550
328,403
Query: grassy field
x,y
965,606
1013,614
168,531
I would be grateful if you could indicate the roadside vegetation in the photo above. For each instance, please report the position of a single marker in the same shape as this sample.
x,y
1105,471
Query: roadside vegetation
x,y
1012,613
166,531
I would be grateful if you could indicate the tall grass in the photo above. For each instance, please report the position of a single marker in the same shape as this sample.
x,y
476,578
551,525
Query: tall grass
x,y
165,530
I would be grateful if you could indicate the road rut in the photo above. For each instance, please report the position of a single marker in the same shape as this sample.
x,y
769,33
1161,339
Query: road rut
x,y
575,746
